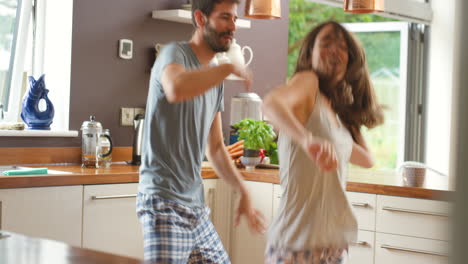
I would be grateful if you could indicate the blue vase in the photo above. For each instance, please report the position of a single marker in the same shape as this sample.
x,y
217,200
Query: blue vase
x,y
31,115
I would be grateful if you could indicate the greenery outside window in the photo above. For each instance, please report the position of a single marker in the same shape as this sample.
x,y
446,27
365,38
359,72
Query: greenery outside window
x,y
386,42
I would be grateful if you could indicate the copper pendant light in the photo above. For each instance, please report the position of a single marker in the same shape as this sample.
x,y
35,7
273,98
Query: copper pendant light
x,y
363,6
263,9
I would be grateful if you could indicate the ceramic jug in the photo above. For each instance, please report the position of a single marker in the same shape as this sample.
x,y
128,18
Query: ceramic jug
x,y
236,54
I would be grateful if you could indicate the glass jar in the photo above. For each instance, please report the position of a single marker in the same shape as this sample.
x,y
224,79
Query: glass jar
x,y
104,149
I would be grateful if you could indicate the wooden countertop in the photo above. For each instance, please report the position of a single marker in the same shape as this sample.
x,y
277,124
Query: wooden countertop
x,y
366,181
20,249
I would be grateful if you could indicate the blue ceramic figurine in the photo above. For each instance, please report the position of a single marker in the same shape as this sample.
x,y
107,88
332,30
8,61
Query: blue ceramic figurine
x,y
32,116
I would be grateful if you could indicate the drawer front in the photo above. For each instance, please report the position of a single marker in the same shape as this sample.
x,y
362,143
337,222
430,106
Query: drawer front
x,y
362,252
364,205
413,217
391,249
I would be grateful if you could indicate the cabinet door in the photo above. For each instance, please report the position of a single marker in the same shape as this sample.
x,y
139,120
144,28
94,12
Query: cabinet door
x,y
209,187
362,252
45,212
391,249
277,193
110,223
364,205
245,246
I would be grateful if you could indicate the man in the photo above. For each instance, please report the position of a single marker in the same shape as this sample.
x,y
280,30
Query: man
x,y
182,121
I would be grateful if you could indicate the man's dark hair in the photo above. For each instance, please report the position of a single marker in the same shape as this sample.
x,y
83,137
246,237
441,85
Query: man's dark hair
x,y
206,7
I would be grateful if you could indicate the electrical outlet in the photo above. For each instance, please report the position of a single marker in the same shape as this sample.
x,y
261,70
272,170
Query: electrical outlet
x,y
126,116
139,110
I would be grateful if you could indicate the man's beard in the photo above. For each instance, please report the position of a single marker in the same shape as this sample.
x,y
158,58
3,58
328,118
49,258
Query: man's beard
x,y
213,39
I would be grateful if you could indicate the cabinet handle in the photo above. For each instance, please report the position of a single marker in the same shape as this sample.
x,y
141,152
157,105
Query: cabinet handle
x,y
414,250
0,215
361,243
211,201
393,209
113,196
365,205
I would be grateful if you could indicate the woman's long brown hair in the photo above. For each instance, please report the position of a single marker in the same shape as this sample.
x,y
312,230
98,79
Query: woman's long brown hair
x,y
364,109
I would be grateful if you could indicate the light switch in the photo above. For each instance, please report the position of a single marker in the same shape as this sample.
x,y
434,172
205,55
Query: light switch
x,y
126,49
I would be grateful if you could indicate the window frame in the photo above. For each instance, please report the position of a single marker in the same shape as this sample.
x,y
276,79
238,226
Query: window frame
x,y
44,16
414,43
403,28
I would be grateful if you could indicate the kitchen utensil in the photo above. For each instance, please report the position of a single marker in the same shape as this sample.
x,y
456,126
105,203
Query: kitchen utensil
x,y
91,148
250,162
244,105
138,125
105,149
234,55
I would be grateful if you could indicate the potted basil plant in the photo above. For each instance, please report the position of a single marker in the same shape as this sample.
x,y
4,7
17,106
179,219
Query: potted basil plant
x,y
256,135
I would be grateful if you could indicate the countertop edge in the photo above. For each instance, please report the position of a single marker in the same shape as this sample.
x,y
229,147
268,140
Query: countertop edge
x,y
258,175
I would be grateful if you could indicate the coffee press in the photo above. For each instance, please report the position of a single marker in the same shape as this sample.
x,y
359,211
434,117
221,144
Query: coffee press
x,y
91,152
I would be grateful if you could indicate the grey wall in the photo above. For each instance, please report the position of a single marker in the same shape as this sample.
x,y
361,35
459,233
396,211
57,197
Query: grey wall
x,y
101,82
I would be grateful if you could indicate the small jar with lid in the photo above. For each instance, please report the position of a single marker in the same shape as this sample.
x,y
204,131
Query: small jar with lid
x,y
104,151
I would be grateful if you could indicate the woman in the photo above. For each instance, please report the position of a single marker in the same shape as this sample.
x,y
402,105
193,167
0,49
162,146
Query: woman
x,y
319,114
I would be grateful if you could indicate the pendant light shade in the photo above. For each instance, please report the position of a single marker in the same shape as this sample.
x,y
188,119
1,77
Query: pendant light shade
x,y
363,6
263,9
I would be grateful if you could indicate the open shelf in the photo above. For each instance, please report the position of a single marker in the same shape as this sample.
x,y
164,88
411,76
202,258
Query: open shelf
x,y
185,16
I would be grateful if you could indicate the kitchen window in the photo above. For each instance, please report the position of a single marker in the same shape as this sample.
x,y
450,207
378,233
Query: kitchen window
x,y
35,38
395,54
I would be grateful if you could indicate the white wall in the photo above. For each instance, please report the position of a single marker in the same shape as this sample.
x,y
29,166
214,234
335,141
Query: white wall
x,y
440,82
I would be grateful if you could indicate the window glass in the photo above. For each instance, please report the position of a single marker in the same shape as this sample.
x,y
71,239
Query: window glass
x,y
8,29
383,59
384,41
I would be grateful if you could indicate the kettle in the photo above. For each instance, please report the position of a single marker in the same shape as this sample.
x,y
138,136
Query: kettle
x,y
138,125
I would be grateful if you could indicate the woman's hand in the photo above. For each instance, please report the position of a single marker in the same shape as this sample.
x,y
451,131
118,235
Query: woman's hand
x,y
322,152
255,219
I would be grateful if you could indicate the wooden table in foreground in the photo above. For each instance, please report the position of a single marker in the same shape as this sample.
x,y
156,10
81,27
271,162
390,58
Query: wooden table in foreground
x,y
20,249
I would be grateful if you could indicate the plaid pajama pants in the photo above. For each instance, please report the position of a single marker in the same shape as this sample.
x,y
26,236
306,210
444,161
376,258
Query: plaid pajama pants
x,y
318,256
174,233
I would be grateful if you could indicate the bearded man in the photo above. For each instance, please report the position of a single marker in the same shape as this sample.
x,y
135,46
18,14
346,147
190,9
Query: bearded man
x,y
182,124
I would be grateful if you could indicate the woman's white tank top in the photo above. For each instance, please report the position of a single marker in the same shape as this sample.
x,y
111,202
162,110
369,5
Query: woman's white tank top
x,y
314,211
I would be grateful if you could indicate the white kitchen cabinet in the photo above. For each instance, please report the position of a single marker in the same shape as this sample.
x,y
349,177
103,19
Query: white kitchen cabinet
x,y
362,251
110,223
364,206
391,249
413,217
218,195
246,247
209,188
45,212
277,193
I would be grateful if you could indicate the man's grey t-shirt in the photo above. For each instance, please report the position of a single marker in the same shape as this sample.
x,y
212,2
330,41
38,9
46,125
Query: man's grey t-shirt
x,y
175,135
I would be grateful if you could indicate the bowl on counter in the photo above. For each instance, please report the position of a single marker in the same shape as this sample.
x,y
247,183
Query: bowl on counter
x,y
250,162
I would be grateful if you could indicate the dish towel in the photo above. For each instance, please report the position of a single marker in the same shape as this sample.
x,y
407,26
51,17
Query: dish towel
x,y
32,171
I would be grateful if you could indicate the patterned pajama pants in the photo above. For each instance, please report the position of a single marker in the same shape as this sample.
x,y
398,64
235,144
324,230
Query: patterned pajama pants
x,y
174,233
316,256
